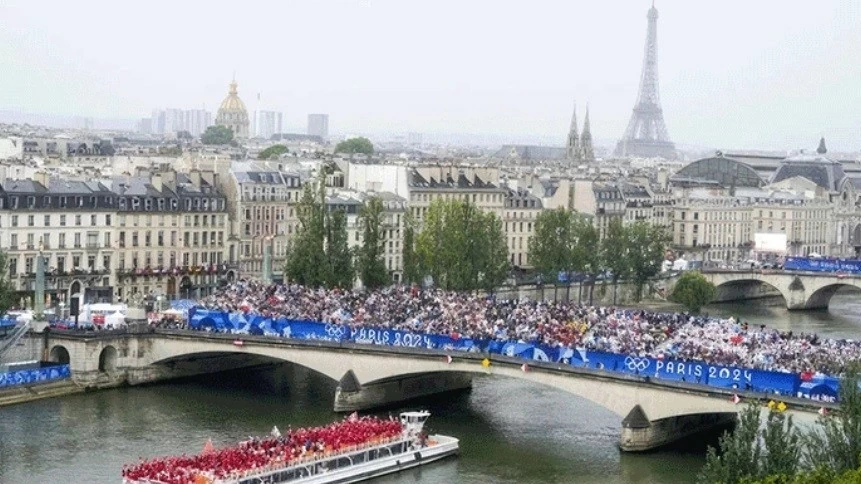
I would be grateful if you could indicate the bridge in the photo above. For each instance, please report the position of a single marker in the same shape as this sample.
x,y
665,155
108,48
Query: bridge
x,y
652,412
800,290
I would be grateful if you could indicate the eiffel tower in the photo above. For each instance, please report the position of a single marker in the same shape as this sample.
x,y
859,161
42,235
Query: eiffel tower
x,y
646,135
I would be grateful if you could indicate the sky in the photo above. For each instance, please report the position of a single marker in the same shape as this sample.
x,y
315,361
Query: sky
x,y
764,74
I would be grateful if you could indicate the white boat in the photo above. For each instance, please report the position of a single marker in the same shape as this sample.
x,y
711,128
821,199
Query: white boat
x,y
410,449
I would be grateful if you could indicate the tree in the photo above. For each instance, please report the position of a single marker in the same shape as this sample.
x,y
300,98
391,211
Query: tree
x,y
370,261
494,266
613,252
644,252
564,241
411,269
7,290
748,454
217,135
549,251
306,261
693,291
338,254
461,248
355,145
271,152
836,443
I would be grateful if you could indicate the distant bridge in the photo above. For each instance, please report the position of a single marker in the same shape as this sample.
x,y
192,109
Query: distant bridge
x,y
654,412
800,290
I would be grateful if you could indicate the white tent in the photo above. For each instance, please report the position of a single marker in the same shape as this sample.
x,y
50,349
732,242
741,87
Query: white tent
x,y
115,320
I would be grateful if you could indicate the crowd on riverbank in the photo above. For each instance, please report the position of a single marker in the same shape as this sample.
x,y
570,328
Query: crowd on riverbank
x,y
554,324
260,454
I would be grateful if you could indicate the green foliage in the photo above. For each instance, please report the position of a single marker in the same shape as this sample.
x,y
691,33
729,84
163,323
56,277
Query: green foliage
x,y
693,291
273,151
338,253
645,245
7,291
613,249
830,451
740,452
371,255
320,255
306,261
411,264
461,247
217,135
355,145
836,443
563,241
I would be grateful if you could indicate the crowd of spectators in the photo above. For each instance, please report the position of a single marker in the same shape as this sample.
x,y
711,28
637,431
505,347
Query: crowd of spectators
x,y
555,324
261,455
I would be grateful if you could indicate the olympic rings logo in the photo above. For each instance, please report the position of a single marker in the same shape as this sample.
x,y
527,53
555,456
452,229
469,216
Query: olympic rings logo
x,y
637,364
335,331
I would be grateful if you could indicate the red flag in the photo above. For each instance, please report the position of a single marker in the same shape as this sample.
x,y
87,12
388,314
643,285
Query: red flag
x,y
806,375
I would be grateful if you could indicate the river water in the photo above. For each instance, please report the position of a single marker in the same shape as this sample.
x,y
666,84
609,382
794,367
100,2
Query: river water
x,y
510,430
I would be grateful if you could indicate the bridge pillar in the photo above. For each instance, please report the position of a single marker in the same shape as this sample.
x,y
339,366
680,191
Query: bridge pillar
x,y
640,434
352,395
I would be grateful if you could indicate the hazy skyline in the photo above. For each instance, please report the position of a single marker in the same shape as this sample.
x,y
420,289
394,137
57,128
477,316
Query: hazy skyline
x,y
768,74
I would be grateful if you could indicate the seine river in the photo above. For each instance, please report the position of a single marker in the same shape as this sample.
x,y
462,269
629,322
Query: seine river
x,y
510,431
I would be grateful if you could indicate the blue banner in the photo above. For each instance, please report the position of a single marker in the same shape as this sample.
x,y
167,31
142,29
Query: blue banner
x,y
822,265
671,369
26,377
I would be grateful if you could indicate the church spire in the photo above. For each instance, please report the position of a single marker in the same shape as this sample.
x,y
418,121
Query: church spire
x,y
588,152
574,153
822,149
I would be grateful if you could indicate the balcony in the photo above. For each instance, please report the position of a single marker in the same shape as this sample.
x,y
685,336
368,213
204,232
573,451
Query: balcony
x,y
174,271
93,245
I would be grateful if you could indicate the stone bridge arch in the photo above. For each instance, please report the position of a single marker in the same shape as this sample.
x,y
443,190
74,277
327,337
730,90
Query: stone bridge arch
x,y
746,288
59,354
108,359
822,296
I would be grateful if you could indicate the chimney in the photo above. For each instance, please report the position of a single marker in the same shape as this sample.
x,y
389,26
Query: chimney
x,y
42,178
156,182
194,176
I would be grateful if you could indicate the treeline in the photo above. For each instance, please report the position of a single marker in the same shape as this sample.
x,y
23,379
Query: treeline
x,y
567,241
778,452
459,247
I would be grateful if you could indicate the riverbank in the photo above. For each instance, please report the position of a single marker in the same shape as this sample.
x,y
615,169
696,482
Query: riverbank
x,y
38,391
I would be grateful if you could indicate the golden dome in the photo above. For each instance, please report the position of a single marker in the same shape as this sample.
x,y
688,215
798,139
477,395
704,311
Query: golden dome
x,y
232,103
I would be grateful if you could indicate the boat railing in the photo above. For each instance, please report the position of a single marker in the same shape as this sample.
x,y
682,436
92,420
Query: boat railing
x,y
316,458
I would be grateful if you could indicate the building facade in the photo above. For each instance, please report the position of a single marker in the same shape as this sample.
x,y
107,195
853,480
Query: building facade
x,y
318,125
109,240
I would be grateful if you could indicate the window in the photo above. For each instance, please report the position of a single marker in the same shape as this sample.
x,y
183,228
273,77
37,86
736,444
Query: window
x,y
14,220
47,220
91,262
28,265
13,242
77,220
62,220
76,261
134,239
62,243
108,220
61,264
161,238
31,220
30,244
77,240
107,240
93,219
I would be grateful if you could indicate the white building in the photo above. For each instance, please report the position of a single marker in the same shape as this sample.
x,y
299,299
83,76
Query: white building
x,y
318,125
